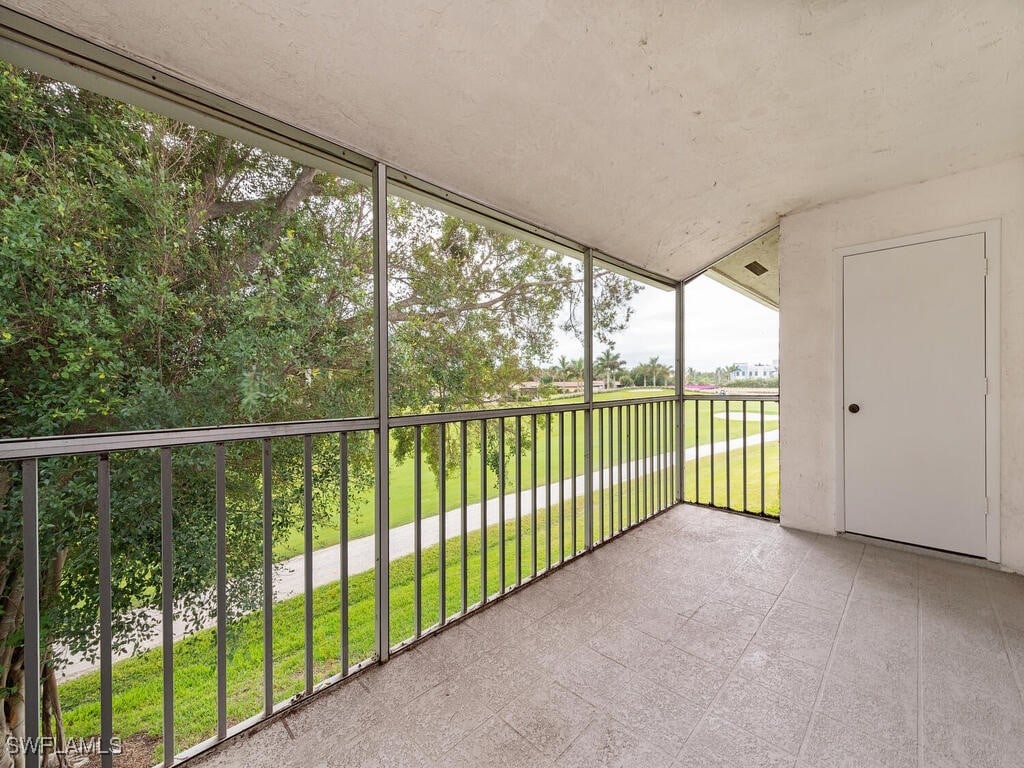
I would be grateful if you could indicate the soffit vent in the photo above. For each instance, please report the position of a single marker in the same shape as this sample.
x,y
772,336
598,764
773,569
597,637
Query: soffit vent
x,y
757,268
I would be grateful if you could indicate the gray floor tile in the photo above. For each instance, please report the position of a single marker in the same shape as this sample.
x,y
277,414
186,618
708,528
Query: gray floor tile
x,y
496,745
499,678
591,676
402,679
538,601
766,714
746,597
606,743
809,591
655,713
376,748
625,644
892,716
723,649
777,672
549,717
831,744
438,719
456,648
717,743
728,619
692,678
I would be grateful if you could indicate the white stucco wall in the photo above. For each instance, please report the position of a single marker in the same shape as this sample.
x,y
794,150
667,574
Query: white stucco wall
x,y
810,322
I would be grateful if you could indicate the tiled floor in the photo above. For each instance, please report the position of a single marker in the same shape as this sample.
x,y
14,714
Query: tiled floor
x,y
698,639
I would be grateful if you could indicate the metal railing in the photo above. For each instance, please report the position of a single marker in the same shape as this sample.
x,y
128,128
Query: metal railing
x,y
550,482
734,460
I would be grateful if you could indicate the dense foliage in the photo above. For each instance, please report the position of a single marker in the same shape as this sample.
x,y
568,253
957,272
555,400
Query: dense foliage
x,y
154,275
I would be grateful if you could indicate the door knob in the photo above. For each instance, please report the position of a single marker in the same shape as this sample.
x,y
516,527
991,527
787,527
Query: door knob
x,y
854,408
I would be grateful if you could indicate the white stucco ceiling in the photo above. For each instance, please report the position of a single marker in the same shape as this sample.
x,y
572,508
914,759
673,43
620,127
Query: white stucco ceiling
x,y
663,133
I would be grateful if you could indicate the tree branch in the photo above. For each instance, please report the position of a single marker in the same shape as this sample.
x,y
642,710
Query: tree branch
x,y
303,188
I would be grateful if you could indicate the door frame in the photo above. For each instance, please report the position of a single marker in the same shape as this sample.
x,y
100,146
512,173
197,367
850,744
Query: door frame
x,y
991,230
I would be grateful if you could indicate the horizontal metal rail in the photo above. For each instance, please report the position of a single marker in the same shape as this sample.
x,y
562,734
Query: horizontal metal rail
x,y
509,412
77,445
734,398
16,449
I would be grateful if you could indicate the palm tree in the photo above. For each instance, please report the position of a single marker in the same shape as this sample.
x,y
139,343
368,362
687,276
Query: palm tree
x,y
608,363
656,369
563,367
574,370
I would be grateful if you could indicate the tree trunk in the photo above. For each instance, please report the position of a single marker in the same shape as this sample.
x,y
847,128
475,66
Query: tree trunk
x,y
53,720
12,670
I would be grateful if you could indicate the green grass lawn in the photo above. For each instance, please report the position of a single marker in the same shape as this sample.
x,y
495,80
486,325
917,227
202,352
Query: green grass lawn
x,y
137,682
402,486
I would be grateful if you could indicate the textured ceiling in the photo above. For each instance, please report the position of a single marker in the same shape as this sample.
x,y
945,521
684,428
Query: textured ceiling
x,y
662,133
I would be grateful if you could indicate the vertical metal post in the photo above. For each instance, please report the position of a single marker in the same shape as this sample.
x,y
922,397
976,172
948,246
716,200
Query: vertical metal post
x,y
561,486
588,400
635,465
519,500
663,410
728,457
639,414
600,473
746,479
501,505
442,520
645,421
106,610
30,564
382,527
620,465
711,437
547,482
680,456
307,559
464,520
572,506
343,565
268,580
656,422
764,505
167,599
533,478
417,534
696,451
222,591
483,511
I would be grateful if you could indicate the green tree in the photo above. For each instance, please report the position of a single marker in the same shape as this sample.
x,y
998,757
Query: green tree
x,y
607,364
153,275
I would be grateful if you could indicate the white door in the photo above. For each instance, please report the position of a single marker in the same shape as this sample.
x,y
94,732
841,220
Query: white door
x,y
914,384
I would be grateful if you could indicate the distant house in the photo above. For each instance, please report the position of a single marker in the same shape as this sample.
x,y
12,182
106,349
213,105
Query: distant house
x,y
755,371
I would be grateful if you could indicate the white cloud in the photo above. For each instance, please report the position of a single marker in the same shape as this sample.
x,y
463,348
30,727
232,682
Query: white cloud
x,y
722,327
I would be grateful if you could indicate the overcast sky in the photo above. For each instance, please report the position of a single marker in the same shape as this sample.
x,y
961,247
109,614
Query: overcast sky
x,y
722,327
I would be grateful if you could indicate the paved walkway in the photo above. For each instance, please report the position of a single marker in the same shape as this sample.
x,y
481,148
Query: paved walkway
x,y
289,579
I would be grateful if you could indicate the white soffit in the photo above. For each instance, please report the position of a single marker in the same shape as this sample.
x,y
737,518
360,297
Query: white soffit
x,y
753,270
662,133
